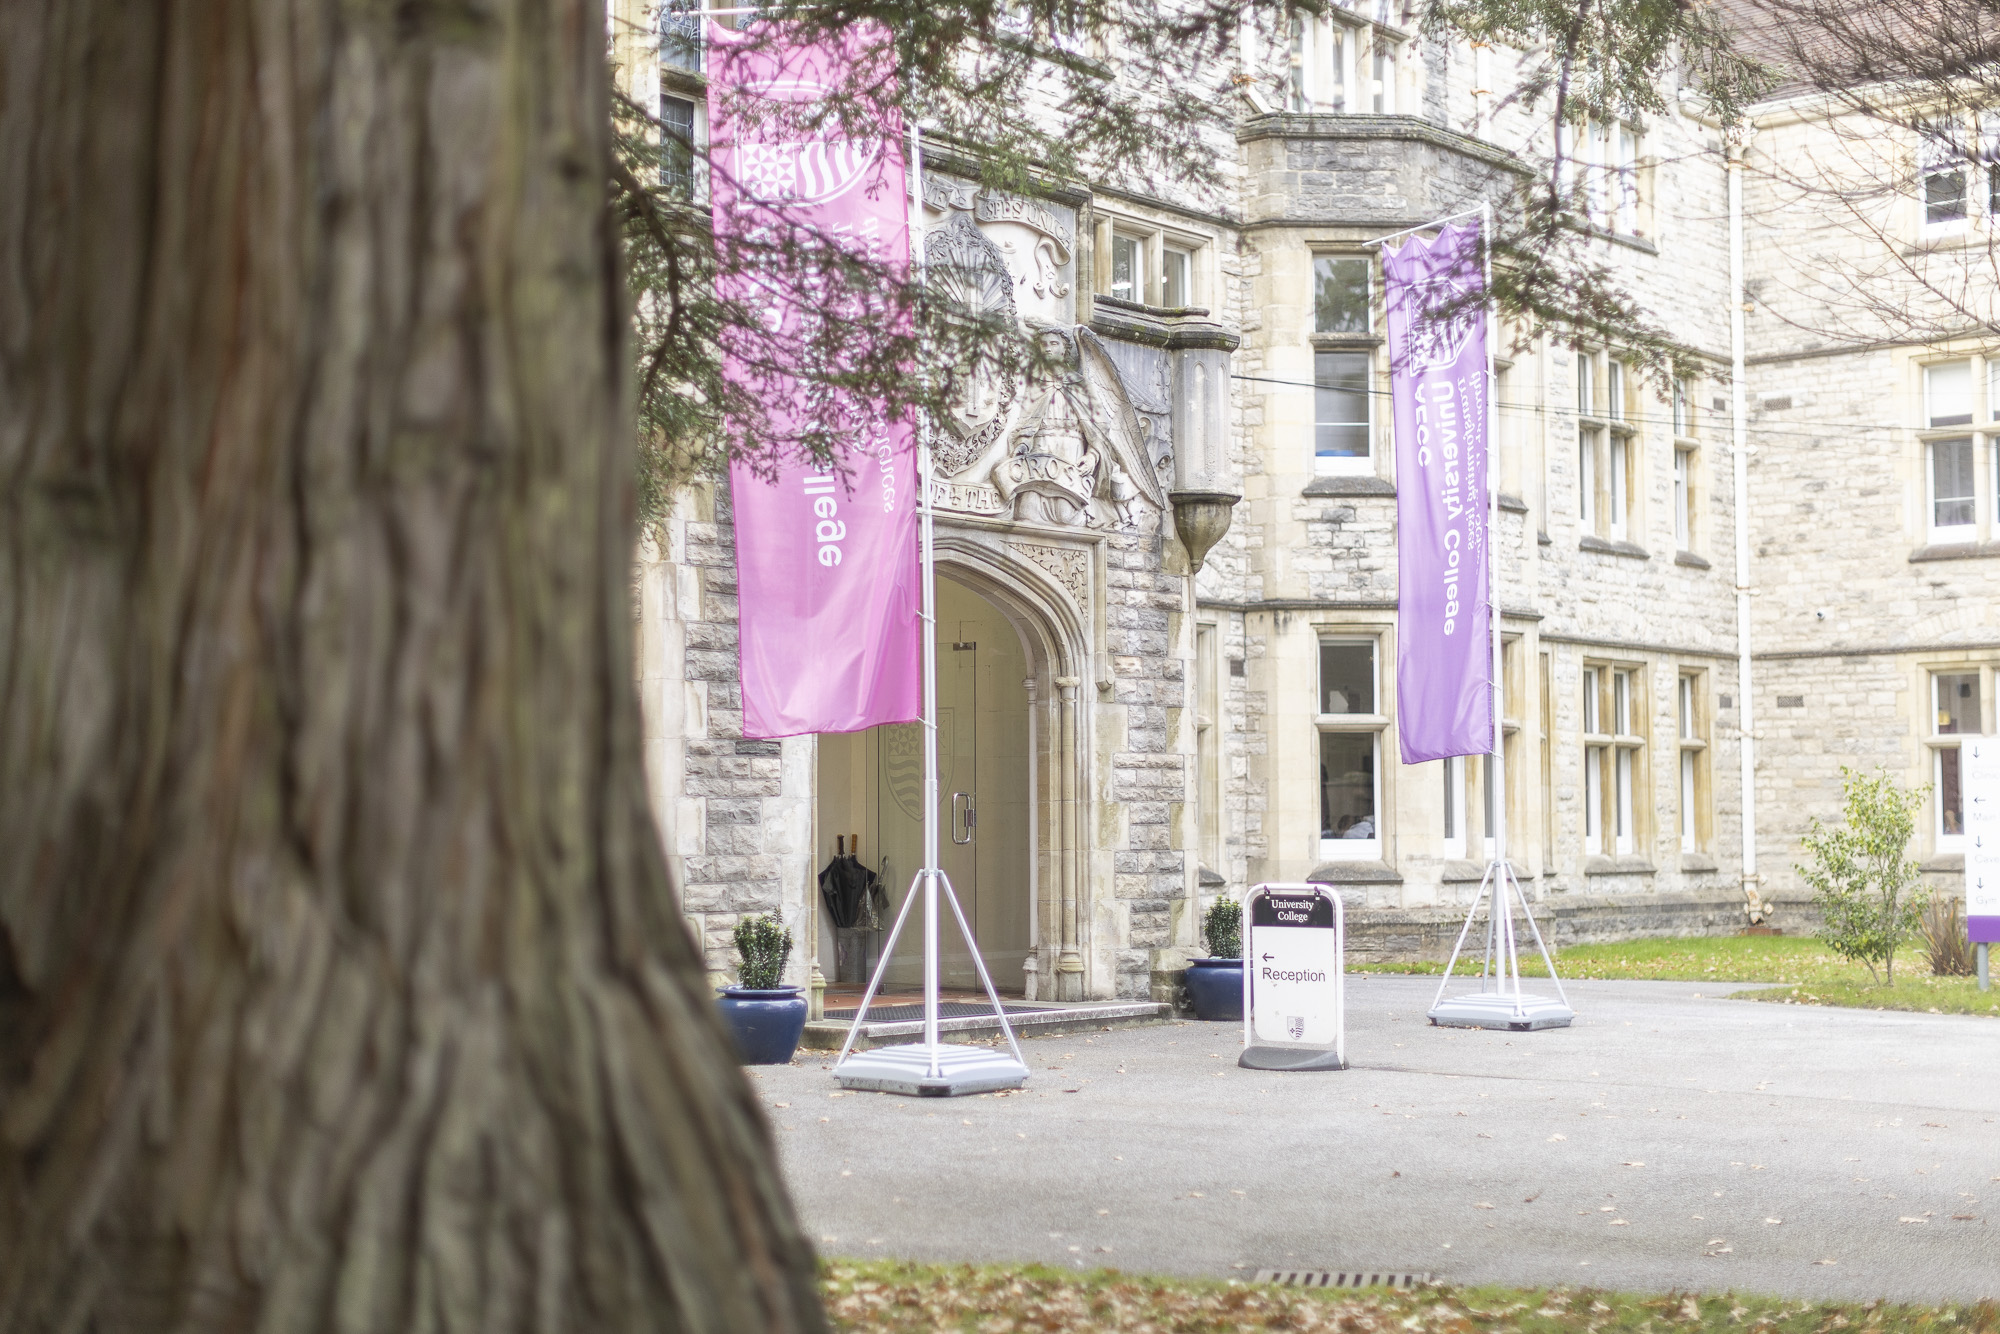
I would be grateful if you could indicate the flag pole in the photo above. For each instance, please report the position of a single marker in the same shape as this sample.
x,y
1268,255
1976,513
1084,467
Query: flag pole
x,y
1502,1005
929,1068
929,618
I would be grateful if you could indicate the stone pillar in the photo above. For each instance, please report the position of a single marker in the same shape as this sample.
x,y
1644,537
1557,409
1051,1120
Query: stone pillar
x,y
1031,968
1069,967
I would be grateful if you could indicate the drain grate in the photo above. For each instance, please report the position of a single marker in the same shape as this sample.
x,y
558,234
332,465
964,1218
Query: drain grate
x,y
1400,1279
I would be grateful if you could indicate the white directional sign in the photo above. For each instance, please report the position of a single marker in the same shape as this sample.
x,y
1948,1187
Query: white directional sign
x,y
1294,988
1979,787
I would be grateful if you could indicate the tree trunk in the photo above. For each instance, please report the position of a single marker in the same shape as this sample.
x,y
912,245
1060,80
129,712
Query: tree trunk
x,y
341,984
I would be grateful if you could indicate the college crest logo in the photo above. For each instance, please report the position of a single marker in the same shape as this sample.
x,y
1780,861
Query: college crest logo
x,y
804,173
1435,338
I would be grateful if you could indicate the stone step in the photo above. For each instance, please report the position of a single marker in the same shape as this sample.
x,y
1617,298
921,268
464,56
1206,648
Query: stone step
x,y
1029,1020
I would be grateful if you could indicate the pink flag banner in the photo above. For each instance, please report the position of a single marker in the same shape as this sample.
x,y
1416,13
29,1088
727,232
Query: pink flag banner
x,y
828,579
1438,393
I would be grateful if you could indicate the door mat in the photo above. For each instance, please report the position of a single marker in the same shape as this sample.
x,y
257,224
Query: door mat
x,y
890,1014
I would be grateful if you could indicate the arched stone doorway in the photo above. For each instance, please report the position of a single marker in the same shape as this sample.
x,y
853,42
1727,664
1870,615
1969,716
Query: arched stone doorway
x,y
1008,755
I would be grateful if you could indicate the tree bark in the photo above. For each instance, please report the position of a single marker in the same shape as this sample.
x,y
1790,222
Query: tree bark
x,y
341,983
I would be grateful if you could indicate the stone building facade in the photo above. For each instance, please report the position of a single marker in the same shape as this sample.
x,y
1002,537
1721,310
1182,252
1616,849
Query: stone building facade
x,y
1127,736
1873,398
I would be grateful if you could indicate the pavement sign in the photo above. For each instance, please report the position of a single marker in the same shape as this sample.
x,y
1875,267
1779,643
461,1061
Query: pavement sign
x,y
1979,778
1294,979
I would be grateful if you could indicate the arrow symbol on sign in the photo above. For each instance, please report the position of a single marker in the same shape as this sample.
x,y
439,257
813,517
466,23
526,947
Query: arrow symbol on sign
x,y
1267,958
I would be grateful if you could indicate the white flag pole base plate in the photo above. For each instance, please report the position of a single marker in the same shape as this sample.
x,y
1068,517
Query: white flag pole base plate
x,y
1521,1013
906,1069
1289,1058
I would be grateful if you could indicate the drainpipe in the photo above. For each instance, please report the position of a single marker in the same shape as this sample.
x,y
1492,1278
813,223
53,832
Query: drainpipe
x,y
1737,141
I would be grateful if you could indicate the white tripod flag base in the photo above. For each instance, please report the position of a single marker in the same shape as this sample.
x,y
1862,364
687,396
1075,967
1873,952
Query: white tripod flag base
x,y
946,1071
930,1068
1500,1002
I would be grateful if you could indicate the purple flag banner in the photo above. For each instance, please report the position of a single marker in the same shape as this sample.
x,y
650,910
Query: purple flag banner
x,y
829,587
1438,392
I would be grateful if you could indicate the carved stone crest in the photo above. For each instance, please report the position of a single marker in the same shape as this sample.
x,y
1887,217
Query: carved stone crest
x,y
969,273
1076,442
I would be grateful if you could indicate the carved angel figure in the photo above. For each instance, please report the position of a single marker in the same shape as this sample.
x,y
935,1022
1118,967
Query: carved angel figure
x,y
1077,454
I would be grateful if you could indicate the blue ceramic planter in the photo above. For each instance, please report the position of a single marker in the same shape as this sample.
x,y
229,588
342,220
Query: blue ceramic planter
x,y
1216,988
767,1024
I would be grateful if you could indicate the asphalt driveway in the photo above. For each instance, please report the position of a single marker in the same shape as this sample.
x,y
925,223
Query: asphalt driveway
x,y
1670,1139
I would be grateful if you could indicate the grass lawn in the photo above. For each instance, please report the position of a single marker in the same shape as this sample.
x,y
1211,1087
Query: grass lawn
x,y
901,1298
1819,976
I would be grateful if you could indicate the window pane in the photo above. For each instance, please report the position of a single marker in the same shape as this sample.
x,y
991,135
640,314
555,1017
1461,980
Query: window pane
x,y
1174,280
1950,797
1347,678
1340,404
1948,393
1957,703
1624,804
1586,477
1590,700
1299,91
1340,294
1621,702
1683,524
680,34
1687,707
1127,277
1385,77
1614,390
1454,791
1951,483
1586,373
1486,795
1628,180
1619,473
1680,407
1347,785
1687,801
1593,799
1339,42
677,146
1944,197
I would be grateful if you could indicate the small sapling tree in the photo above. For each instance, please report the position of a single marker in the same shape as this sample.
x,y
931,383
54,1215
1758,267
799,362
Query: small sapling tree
x,y
1863,883
1222,928
762,947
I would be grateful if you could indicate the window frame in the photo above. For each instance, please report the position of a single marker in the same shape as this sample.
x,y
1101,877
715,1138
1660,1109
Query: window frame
x,y
1151,242
1345,53
1688,528
1939,742
1365,344
1694,781
678,175
672,51
1615,723
1941,154
1609,488
1976,429
1372,725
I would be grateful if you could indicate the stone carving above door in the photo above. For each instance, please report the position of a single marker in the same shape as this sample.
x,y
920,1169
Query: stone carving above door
x,y
1066,565
1045,427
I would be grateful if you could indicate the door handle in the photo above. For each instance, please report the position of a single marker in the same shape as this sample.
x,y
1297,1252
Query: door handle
x,y
971,814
